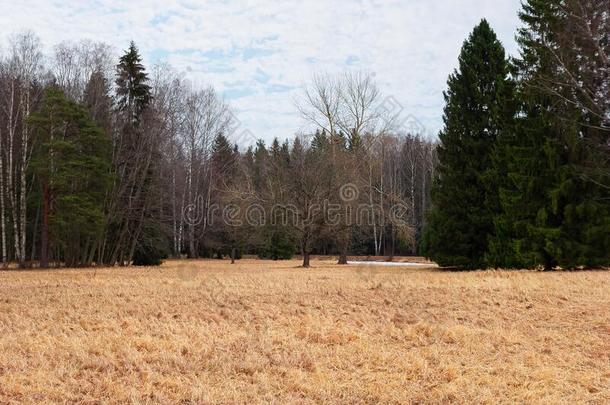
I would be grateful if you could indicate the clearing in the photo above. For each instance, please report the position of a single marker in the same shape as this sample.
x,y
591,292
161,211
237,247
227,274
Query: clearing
x,y
260,331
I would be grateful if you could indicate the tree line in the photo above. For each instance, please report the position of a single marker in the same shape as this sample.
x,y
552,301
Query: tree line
x,y
524,175
106,162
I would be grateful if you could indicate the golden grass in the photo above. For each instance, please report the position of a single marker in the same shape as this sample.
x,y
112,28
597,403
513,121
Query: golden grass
x,y
258,332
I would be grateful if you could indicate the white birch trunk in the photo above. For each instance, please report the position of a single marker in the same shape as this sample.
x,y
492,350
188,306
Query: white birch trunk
x,y
2,209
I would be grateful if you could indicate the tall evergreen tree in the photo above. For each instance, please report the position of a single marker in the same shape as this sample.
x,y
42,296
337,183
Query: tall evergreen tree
x,y
261,165
223,238
550,215
133,92
461,221
224,159
137,158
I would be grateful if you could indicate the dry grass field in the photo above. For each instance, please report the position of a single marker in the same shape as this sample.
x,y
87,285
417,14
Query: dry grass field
x,y
265,332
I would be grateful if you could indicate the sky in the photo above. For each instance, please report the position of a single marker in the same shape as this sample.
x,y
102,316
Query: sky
x,y
259,54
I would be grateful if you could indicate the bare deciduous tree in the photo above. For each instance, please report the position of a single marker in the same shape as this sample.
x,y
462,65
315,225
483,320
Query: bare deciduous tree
x,y
21,76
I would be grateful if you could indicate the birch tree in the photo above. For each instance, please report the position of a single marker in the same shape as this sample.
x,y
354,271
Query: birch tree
x,y
22,74
206,116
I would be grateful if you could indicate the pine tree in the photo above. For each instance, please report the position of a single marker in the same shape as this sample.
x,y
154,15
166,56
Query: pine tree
x,y
71,163
461,221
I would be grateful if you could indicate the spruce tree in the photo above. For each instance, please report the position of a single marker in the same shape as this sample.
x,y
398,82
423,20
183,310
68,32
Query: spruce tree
x,y
224,159
134,231
224,238
320,140
285,152
278,242
133,92
261,165
461,220
550,215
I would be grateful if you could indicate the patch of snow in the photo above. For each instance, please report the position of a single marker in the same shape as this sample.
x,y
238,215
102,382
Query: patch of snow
x,y
403,264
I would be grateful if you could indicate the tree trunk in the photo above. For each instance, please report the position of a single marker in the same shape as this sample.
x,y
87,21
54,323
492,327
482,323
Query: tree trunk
x,y
424,208
393,248
2,210
344,237
44,237
233,256
344,246
372,208
174,215
10,175
412,214
192,252
305,249
34,235
342,258
22,179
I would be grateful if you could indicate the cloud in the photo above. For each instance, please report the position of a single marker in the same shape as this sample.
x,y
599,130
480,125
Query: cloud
x,y
258,54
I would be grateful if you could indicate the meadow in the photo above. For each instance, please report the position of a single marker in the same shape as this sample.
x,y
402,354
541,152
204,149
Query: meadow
x,y
270,332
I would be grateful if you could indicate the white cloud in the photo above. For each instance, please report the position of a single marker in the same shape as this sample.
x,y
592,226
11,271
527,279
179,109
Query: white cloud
x,y
261,52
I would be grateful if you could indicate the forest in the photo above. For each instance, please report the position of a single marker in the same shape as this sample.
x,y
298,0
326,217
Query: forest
x,y
112,165
105,161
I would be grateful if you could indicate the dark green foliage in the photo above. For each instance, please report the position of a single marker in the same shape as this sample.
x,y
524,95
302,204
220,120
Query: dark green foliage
x,y
528,225
526,150
222,237
135,199
224,158
523,181
278,245
71,163
461,219
152,247
144,257
550,215
285,152
260,165
133,92
273,240
320,140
